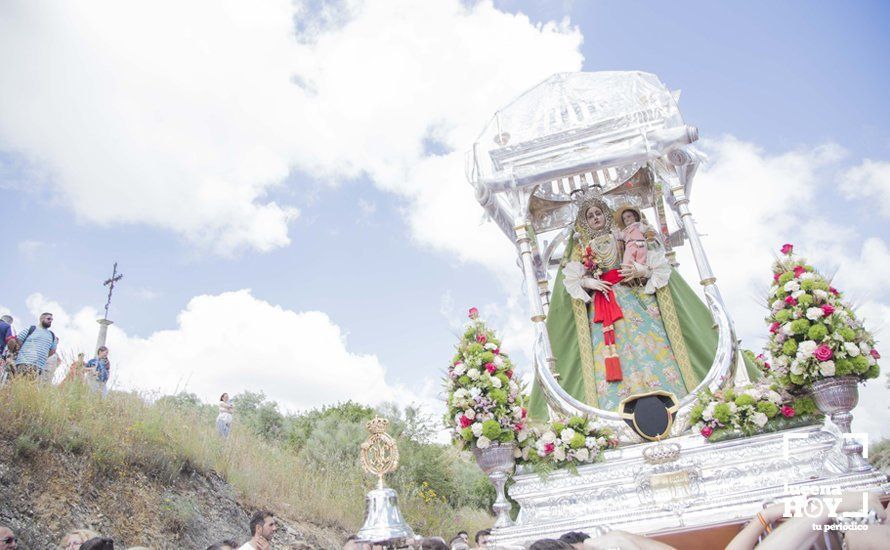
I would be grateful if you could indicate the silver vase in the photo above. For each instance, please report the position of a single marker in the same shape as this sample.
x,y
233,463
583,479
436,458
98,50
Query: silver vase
x,y
836,397
497,462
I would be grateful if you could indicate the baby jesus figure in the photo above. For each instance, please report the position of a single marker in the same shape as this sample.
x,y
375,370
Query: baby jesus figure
x,y
634,231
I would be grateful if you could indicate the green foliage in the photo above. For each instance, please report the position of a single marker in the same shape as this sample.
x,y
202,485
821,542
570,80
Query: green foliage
x,y
491,429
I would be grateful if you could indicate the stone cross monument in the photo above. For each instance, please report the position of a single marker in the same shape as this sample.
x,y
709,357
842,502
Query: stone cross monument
x,y
104,322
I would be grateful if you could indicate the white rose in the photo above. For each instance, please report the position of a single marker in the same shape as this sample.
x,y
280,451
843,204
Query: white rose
x,y
522,435
548,437
796,367
759,419
475,392
797,294
806,348
476,427
483,442
851,349
582,454
814,313
826,368
490,346
514,387
806,276
708,413
787,330
567,434
774,397
792,286
473,374
559,454
459,369
820,295
777,305
496,382
754,393
864,348
498,362
470,413
590,442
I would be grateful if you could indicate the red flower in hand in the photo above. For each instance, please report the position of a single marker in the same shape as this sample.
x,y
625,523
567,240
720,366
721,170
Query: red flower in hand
x,y
474,313
707,431
465,422
787,411
787,249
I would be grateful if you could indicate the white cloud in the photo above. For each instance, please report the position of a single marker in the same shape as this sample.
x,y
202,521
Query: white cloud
x,y
185,116
234,342
870,180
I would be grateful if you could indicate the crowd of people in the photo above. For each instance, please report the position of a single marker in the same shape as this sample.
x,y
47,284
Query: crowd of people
x,y
27,353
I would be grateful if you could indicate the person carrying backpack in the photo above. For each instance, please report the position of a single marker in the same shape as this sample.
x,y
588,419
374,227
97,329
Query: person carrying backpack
x,y
36,345
98,370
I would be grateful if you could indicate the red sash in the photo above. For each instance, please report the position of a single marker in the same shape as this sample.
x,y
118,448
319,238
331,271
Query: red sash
x,y
606,311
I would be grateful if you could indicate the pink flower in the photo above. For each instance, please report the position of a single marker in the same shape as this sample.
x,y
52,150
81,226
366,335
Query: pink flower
x,y
874,353
774,328
524,412
823,353
827,309
707,431
465,422
490,368
833,291
549,448
766,365
519,427
791,300
481,338
787,249
799,270
787,411
508,373
496,351
760,357
776,277
474,313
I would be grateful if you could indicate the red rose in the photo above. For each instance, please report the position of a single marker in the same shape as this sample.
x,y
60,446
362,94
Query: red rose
x,y
481,339
787,411
519,427
509,373
496,351
524,412
827,309
787,249
791,300
766,365
474,313
465,422
799,270
823,353
874,353
776,277
833,290
774,328
549,448
707,431
490,368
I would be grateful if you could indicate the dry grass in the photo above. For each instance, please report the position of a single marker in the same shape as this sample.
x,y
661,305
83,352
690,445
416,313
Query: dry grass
x,y
125,431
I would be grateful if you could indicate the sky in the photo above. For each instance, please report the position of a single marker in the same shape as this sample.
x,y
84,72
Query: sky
x,y
282,184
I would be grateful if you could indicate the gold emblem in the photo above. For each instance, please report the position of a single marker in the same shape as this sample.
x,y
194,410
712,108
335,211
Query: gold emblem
x,y
380,455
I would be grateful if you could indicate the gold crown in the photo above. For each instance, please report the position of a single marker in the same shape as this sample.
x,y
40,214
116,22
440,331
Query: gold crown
x,y
377,425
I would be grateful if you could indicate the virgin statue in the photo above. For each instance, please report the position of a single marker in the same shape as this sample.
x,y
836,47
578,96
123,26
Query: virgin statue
x,y
623,324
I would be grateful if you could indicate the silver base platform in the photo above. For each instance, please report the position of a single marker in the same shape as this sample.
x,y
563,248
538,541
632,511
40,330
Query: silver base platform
x,y
706,484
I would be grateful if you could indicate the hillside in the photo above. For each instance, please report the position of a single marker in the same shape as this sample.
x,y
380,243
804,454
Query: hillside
x,y
156,474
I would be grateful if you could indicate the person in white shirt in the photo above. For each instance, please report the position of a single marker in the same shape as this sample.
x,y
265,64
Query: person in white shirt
x,y
263,527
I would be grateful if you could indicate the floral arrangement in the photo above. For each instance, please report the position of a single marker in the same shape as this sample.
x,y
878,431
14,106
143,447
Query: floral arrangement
x,y
485,404
814,334
566,442
751,409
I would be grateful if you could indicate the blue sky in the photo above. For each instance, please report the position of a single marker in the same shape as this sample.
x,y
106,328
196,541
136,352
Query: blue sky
x,y
782,79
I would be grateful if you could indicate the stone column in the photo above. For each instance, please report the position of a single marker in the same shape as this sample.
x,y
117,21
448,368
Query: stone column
x,y
103,332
